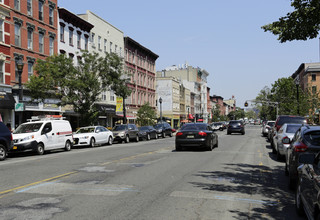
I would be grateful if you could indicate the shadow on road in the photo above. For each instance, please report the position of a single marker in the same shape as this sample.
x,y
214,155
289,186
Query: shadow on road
x,y
249,182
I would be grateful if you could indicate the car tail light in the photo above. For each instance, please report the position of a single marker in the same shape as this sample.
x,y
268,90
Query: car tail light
x,y
201,133
179,134
11,137
285,140
301,147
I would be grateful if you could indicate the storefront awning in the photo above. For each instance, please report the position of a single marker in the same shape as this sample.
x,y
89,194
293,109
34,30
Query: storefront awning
x,y
200,119
191,116
6,101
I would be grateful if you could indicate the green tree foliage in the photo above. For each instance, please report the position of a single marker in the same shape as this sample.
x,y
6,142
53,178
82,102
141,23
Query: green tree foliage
x,y
216,113
146,115
79,86
251,114
301,24
237,114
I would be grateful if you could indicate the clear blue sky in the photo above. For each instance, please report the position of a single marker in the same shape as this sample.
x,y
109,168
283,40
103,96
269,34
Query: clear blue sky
x,y
223,37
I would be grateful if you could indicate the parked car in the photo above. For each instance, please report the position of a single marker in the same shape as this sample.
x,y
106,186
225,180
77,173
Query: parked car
x,y
5,141
308,186
196,134
281,119
305,140
218,126
236,126
266,127
92,136
147,133
163,129
126,132
283,138
41,134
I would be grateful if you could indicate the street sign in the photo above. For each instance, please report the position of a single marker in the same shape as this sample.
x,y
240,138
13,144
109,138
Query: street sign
x,y
19,107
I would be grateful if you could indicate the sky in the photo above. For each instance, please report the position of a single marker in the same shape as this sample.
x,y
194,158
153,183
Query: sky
x,y
223,37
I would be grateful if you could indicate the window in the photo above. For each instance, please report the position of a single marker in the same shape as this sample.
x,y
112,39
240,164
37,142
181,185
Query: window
x,y
29,7
86,40
105,45
1,30
41,42
120,51
92,39
30,39
313,76
111,95
314,89
1,72
30,69
115,48
104,96
40,10
51,19
17,5
79,39
17,34
51,46
62,32
110,47
99,42
70,36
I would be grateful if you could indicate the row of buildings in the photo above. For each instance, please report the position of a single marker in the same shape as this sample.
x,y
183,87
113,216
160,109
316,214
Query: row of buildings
x,y
35,29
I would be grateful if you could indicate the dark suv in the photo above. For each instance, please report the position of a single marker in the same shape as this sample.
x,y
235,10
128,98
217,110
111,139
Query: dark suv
x,y
305,140
163,129
282,119
125,133
236,126
5,141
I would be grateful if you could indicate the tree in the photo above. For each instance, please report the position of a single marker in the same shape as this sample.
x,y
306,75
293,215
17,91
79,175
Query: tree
x,y
237,114
301,24
216,113
79,86
146,115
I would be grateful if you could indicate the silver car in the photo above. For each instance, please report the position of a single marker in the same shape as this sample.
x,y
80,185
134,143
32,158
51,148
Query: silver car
x,y
266,127
283,138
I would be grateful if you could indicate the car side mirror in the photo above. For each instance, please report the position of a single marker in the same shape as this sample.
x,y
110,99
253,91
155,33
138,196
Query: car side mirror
x,y
307,158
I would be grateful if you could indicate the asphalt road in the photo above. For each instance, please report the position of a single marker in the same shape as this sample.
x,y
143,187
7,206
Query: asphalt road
x,y
149,180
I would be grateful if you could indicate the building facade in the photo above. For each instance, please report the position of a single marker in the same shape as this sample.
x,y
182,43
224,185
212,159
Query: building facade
x,y
33,36
140,65
105,38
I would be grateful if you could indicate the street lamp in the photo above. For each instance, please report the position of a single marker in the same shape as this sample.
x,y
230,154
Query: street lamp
x,y
297,81
188,113
160,101
19,65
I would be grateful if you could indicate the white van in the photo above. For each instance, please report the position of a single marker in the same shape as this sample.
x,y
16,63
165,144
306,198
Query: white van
x,y
42,134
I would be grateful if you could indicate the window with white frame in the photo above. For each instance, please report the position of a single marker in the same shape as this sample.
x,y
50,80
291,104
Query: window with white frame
x,y
30,39
86,42
104,96
17,5
51,45
111,95
61,32
92,39
51,18
99,43
30,69
70,36
1,30
110,47
120,51
2,72
115,48
41,9
29,7
105,45
41,42
79,39
17,34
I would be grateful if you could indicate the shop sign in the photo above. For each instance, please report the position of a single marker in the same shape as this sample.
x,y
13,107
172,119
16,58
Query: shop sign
x,y
19,107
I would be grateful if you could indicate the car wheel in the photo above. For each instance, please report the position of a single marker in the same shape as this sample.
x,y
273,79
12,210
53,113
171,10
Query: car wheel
x,y
243,133
148,137
137,138
67,146
273,149
110,140
299,204
210,146
40,149
163,135
156,136
178,147
228,133
127,139
92,142
278,154
286,172
216,145
3,152
292,181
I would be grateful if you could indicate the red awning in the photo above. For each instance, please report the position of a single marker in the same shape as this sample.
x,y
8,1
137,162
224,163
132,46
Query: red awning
x,y
191,116
200,119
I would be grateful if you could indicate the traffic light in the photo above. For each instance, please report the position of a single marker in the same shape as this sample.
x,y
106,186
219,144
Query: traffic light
x,y
246,104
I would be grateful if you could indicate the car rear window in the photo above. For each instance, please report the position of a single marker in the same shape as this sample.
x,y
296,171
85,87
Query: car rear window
x,y
292,128
292,120
235,122
194,127
271,123
313,137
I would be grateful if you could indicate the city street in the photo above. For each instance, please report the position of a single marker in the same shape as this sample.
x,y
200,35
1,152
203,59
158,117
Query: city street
x,y
240,179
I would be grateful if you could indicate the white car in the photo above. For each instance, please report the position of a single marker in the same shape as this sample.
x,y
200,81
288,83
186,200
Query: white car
x,y
92,136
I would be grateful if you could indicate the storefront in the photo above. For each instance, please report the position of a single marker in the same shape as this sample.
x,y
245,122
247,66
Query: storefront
x,y
7,103
106,115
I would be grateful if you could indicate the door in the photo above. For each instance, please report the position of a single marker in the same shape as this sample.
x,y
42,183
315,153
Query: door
x,y
48,137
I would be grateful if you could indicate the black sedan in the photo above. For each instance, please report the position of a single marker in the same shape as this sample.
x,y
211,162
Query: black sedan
x,y
147,133
196,135
236,127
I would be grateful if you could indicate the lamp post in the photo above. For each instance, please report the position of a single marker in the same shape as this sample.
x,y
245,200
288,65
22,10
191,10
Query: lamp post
x,y
188,113
160,101
19,65
297,82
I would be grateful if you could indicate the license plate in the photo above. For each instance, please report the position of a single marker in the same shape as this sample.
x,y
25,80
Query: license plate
x,y
15,147
190,136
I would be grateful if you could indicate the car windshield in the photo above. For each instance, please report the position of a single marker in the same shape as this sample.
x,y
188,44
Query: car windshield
x,y
193,127
157,126
143,129
292,128
85,130
313,137
120,127
28,128
271,123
